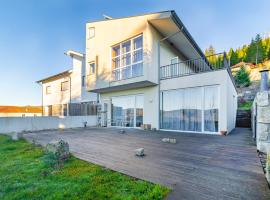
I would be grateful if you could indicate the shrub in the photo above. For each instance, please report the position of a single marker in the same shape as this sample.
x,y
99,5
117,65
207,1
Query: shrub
x,y
242,77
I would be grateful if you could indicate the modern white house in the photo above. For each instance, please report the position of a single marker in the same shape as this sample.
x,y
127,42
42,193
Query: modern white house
x,y
65,93
148,70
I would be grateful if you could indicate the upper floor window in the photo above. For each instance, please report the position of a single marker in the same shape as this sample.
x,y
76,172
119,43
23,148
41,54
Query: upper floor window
x,y
48,90
64,86
91,32
92,68
127,59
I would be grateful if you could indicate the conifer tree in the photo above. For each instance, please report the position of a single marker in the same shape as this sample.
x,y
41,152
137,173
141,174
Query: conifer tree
x,y
242,77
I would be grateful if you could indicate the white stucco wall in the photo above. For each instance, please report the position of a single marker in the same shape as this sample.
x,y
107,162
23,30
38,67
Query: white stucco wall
x,y
77,94
228,104
19,124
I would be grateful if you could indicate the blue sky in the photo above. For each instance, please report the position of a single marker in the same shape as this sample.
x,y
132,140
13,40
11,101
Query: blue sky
x,y
34,34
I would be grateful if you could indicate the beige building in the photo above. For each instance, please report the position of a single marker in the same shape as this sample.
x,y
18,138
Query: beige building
x,y
20,111
148,69
65,93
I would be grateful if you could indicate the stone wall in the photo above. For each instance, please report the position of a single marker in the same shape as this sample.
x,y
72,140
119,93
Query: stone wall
x,y
261,121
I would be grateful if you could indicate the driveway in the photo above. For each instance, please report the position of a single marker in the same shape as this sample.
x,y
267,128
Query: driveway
x,y
197,167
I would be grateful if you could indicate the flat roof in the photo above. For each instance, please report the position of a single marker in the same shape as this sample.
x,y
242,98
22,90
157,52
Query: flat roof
x,y
20,109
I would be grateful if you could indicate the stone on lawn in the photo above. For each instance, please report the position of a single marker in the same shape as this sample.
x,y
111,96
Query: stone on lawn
x,y
16,136
139,152
59,148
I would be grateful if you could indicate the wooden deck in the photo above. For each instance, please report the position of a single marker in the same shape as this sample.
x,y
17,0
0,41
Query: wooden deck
x,y
197,167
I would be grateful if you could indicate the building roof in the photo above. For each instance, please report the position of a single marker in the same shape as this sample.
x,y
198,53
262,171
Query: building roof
x,y
55,76
176,20
72,53
20,109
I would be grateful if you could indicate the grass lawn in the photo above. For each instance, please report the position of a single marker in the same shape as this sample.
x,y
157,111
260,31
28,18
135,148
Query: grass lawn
x,y
24,175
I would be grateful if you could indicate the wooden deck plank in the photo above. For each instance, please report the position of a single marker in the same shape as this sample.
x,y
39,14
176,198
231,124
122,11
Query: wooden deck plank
x,y
197,167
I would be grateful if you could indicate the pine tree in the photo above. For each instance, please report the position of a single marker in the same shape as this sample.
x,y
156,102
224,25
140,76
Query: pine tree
x,y
242,77
234,59
210,54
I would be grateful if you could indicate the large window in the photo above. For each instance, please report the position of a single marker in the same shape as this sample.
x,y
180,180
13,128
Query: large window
x,y
190,109
127,59
127,111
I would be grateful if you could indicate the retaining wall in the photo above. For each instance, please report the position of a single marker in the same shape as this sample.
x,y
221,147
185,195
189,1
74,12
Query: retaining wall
x,y
19,124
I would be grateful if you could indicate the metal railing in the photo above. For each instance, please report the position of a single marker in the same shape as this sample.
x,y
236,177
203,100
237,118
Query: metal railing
x,y
194,66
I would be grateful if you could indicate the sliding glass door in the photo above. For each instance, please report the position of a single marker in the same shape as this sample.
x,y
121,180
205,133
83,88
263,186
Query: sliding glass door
x,y
190,109
127,111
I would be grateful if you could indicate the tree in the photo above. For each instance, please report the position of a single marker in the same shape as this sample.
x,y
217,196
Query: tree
x,y
256,53
242,77
234,59
210,53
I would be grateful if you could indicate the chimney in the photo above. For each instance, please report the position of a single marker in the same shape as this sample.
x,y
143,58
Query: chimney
x,y
264,80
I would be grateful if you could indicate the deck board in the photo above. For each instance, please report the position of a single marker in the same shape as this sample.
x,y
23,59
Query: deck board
x,y
197,167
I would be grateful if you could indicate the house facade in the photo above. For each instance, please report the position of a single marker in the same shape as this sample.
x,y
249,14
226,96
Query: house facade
x,y
148,70
20,111
65,93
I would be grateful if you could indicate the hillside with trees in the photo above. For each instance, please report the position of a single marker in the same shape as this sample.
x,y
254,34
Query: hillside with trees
x,y
246,61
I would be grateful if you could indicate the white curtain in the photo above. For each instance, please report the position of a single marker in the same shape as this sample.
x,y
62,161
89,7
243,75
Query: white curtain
x,y
211,109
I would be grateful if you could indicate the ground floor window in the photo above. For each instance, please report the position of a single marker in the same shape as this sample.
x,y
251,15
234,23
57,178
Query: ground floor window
x,y
127,111
190,109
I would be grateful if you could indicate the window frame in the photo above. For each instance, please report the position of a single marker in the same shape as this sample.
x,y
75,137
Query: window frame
x,y
89,32
91,72
62,90
48,91
122,55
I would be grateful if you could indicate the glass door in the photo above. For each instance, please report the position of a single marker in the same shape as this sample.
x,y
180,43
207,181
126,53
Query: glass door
x,y
127,111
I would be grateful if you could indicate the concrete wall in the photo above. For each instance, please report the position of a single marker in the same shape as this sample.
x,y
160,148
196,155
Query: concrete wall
x,y
19,114
19,124
228,94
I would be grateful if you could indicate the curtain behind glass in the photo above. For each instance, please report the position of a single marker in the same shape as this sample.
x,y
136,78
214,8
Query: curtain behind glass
x,y
211,109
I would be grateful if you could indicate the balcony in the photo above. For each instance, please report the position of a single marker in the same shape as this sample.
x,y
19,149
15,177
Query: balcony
x,y
195,66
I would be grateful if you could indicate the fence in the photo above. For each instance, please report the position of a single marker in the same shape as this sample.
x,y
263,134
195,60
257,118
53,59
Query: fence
x,y
19,124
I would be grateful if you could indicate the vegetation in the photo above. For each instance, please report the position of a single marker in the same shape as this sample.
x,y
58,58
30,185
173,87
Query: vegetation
x,y
28,173
256,52
245,105
242,77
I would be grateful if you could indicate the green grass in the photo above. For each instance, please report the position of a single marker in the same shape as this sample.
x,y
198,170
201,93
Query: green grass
x,y
24,175
245,106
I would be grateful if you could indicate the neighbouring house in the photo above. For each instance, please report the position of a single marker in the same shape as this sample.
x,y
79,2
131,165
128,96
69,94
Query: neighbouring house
x,y
149,71
20,111
65,93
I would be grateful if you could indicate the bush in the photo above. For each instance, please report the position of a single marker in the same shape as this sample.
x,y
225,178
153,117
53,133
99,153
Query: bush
x,y
242,77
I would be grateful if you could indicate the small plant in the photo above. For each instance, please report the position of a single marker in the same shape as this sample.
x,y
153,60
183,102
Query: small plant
x,y
242,77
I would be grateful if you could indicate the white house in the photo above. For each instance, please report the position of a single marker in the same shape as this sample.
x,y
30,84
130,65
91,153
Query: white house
x,y
147,69
65,93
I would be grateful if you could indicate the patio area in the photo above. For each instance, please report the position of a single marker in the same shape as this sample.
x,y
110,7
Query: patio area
x,y
196,167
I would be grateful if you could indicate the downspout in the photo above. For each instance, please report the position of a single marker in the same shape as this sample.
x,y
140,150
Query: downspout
x,y
42,112
69,95
159,42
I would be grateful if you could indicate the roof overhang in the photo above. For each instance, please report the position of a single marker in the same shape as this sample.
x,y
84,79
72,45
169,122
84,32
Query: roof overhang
x,y
72,53
172,27
55,77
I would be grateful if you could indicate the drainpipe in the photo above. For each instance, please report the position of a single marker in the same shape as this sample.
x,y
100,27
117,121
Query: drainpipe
x,y
159,42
